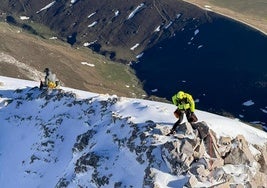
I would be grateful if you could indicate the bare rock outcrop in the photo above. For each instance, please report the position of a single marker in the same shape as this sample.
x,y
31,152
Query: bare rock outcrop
x,y
198,152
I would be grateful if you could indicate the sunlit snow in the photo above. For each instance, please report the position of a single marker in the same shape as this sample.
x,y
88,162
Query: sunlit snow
x,y
46,7
24,17
91,15
136,10
196,31
89,43
135,46
117,12
73,1
92,24
140,55
29,160
168,25
88,64
248,103
157,29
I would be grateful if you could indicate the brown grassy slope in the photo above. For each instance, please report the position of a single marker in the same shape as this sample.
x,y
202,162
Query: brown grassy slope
x,y
38,53
250,12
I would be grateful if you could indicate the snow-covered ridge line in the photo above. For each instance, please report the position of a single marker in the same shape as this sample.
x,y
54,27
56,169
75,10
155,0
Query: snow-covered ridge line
x,y
225,129
95,140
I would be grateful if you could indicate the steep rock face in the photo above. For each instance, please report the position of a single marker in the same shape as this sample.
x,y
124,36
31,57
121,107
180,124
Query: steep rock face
x,y
118,29
84,142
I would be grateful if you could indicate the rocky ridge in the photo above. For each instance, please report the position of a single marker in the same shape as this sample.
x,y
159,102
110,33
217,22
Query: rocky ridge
x,y
194,153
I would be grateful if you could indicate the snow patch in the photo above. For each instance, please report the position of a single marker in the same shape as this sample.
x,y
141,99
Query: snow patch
x,y
136,10
46,7
263,110
178,16
140,55
92,24
86,44
117,12
91,15
248,103
53,38
196,32
88,64
157,29
168,25
24,17
255,122
73,1
135,46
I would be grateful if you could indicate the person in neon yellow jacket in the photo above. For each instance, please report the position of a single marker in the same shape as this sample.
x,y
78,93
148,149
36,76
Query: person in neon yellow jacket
x,y
185,105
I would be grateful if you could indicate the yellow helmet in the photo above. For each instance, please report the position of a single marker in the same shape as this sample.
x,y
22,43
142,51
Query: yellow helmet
x,y
180,95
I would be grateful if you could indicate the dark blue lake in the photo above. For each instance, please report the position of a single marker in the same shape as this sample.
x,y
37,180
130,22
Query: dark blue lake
x,y
223,64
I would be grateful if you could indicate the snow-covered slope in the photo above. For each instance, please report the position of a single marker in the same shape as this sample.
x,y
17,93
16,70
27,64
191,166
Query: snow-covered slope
x,y
72,138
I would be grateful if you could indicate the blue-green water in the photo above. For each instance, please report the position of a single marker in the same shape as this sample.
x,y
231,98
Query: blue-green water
x,y
222,64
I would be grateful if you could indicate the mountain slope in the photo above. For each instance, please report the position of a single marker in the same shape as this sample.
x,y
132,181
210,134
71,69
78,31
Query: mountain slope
x,y
116,29
25,56
71,138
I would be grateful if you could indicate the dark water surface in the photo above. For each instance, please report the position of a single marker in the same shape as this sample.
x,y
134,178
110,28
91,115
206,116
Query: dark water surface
x,y
222,64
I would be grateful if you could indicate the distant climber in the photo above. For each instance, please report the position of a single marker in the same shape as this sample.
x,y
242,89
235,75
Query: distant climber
x,y
185,105
50,81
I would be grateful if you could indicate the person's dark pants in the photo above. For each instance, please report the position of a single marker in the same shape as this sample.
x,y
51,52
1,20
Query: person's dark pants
x,y
191,117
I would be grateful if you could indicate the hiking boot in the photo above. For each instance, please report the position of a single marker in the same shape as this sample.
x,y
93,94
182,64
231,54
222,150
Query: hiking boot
x,y
171,132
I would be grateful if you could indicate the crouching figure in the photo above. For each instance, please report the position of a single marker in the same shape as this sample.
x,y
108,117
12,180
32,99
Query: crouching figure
x,y
50,81
185,105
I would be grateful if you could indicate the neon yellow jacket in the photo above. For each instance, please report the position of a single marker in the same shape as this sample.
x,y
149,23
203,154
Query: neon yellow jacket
x,y
183,101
